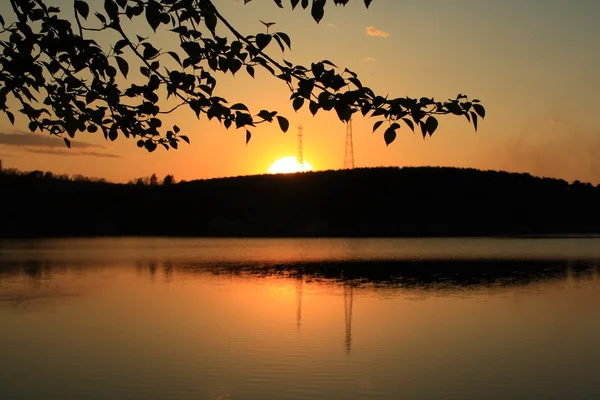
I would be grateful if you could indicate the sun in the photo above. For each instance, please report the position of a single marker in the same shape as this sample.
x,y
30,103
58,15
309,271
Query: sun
x,y
288,165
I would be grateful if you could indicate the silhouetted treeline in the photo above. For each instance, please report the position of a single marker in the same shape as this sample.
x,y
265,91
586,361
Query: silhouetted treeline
x,y
360,202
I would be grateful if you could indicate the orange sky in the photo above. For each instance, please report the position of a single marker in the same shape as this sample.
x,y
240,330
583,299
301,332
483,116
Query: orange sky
x,y
533,64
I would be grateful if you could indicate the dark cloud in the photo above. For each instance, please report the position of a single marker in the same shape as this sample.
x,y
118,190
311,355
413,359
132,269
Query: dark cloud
x,y
40,140
56,152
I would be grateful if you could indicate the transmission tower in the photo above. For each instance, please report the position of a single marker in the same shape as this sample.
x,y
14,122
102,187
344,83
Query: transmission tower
x,y
299,156
349,154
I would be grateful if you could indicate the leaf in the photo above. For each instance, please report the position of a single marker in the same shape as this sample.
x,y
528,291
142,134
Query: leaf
x,y
377,125
409,123
175,56
113,134
263,40
1,20
368,3
153,15
10,116
67,142
285,38
389,136
176,128
423,129
479,109
313,106
239,106
250,70
431,125
123,66
248,136
185,138
284,124
82,8
297,103
474,116
317,10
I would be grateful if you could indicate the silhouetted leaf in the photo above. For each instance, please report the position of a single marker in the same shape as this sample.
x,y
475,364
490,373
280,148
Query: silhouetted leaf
x,y
239,106
11,117
153,15
1,20
286,39
150,145
297,103
317,11
123,66
263,40
479,109
377,125
248,136
284,124
389,136
423,129
474,117
82,8
185,138
175,56
409,123
313,107
431,124
67,142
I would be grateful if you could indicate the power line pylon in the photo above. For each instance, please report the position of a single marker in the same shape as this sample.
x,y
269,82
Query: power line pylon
x,y
349,153
299,156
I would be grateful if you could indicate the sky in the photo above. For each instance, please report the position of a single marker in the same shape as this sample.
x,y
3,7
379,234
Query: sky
x,y
533,63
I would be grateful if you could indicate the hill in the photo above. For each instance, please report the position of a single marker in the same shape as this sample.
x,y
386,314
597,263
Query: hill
x,y
372,202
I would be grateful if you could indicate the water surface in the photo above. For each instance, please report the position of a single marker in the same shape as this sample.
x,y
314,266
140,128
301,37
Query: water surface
x,y
300,319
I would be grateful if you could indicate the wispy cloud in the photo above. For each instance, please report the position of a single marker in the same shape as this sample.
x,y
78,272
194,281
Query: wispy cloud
x,y
56,152
38,140
368,59
372,31
332,26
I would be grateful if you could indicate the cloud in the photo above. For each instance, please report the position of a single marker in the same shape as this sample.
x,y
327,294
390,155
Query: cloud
x,y
332,26
56,152
554,121
372,31
39,140
368,59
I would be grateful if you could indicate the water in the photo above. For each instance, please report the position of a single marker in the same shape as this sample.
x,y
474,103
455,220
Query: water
x,y
300,319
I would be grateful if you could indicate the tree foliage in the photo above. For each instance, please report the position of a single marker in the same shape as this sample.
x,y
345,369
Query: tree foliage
x,y
64,81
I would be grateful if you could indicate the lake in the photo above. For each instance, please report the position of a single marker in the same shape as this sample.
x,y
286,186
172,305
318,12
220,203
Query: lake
x,y
165,318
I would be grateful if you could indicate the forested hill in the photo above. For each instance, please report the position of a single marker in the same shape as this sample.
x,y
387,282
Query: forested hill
x,y
360,202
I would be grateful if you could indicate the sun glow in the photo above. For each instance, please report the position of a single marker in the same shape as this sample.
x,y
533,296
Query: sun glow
x,y
288,165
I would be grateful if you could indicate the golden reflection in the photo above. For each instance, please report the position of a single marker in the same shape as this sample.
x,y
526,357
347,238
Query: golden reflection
x,y
348,299
299,283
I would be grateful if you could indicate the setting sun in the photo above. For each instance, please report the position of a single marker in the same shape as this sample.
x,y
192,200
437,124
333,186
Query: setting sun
x,y
287,165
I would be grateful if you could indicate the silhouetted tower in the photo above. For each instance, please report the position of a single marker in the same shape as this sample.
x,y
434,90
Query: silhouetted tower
x,y
349,154
348,297
299,156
